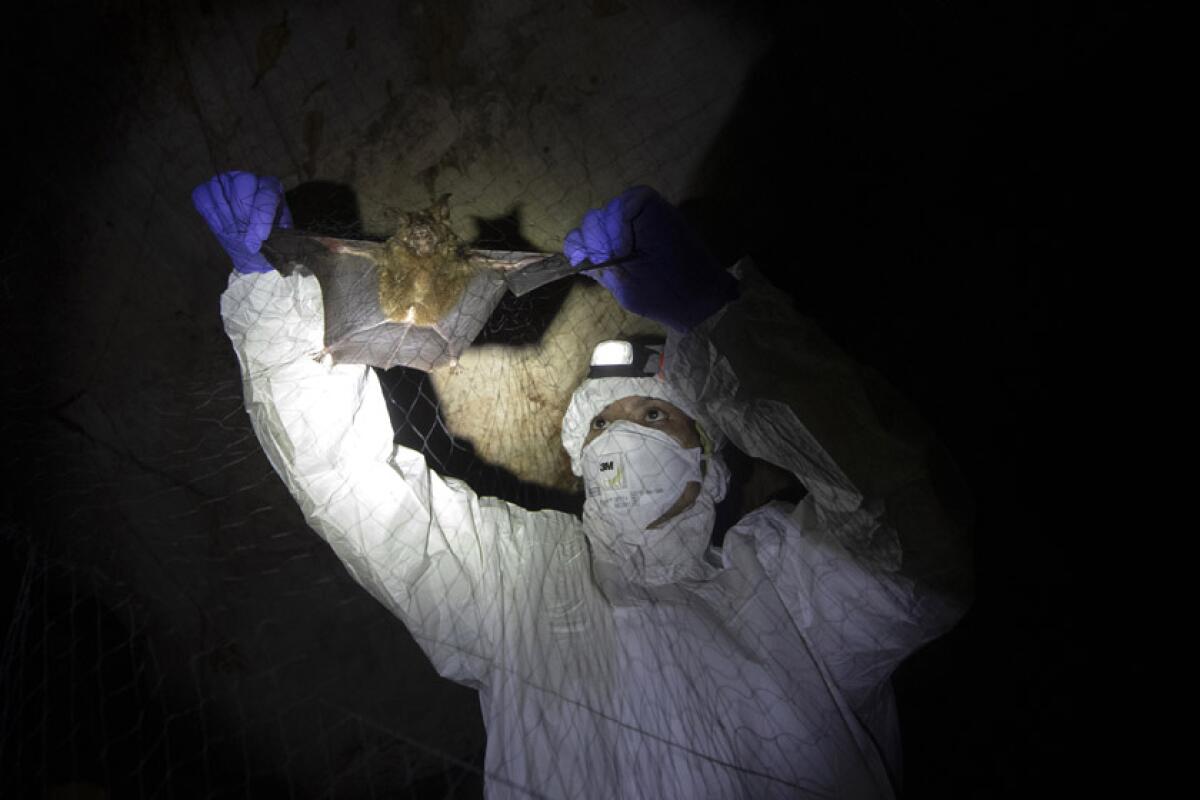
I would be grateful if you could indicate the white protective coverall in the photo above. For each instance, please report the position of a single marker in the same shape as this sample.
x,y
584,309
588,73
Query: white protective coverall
x,y
764,675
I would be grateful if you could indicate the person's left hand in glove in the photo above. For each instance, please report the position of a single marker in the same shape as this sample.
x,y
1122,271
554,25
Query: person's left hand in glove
x,y
241,209
663,270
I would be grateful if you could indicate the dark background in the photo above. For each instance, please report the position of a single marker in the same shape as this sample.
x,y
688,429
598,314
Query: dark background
x,y
925,180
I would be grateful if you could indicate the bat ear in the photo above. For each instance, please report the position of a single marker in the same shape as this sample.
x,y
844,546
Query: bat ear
x,y
441,208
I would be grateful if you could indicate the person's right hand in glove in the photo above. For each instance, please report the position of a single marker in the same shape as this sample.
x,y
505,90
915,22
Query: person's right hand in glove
x,y
241,209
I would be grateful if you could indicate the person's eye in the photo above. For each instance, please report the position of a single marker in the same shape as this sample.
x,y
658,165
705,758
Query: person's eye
x,y
599,424
655,415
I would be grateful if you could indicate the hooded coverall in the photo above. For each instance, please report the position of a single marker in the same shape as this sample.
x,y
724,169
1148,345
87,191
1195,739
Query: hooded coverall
x,y
764,676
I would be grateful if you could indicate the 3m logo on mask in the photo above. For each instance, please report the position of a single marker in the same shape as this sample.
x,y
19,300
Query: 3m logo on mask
x,y
612,472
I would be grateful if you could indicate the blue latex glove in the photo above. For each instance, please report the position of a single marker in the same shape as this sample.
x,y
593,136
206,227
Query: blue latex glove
x,y
664,272
241,209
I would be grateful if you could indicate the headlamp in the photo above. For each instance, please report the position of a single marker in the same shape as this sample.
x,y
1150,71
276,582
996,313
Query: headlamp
x,y
620,358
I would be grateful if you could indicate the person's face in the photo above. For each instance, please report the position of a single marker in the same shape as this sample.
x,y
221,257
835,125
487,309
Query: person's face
x,y
663,416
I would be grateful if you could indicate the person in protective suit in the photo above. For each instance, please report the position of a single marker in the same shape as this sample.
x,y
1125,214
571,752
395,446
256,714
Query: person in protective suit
x,y
620,654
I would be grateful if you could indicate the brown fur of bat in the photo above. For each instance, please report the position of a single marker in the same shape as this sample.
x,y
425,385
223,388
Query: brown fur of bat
x,y
423,269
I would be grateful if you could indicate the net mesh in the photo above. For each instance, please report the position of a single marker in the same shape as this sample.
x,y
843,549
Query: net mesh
x,y
179,628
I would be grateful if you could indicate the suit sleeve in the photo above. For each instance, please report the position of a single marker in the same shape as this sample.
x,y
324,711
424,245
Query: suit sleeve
x,y
422,545
878,562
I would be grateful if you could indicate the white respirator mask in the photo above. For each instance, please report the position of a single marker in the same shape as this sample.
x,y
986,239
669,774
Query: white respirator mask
x,y
634,474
